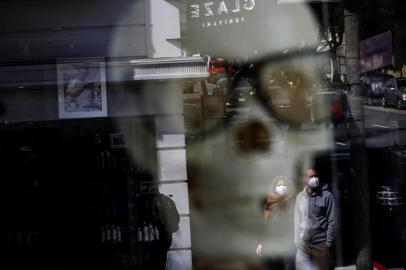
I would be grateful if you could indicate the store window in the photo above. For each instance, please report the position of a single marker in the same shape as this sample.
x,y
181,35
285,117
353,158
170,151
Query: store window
x,y
218,134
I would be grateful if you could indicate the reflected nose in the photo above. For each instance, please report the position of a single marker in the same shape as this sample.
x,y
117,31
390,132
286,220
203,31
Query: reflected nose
x,y
253,137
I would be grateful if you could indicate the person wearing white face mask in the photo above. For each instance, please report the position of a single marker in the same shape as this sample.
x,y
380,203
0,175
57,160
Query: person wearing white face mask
x,y
314,224
278,223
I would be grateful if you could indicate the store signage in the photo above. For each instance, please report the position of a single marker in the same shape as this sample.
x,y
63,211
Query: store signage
x,y
222,13
376,52
224,28
246,28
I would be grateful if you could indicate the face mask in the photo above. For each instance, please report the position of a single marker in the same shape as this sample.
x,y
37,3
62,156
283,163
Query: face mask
x,y
281,190
314,182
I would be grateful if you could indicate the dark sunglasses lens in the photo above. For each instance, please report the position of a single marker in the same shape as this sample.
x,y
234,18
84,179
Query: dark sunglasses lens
x,y
288,88
240,96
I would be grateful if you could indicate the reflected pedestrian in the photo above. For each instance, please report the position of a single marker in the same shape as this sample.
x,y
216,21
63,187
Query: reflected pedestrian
x,y
278,225
314,224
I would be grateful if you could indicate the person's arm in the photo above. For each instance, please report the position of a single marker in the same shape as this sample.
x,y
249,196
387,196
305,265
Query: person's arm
x,y
266,212
262,229
297,221
331,225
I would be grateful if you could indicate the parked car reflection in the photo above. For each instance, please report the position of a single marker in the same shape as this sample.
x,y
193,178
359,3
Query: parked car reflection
x,y
239,96
372,87
395,93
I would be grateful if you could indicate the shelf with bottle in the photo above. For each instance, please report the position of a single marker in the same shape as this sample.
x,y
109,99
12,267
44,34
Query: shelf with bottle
x,y
147,232
148,225
21,239
107,161
112,234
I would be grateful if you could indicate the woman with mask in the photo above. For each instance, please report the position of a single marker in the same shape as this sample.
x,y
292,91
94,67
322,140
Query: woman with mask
x,y
277,232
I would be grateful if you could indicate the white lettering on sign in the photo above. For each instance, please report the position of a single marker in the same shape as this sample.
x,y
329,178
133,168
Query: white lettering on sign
x,y
207,6
249,4
236,20
195,11
222,8
237,6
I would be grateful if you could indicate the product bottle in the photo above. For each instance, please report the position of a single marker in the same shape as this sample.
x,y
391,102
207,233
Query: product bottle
x,y
29,235
146,233
139,234
151,232
102,161
114,233
118,234
108,234
156,232
155,219
103,235
108,160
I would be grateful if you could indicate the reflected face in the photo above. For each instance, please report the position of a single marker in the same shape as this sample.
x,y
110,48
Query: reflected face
x,y
310,174
281,183
231,178
229,169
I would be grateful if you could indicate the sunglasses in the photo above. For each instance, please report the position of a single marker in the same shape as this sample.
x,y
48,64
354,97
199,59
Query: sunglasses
x,y
282,85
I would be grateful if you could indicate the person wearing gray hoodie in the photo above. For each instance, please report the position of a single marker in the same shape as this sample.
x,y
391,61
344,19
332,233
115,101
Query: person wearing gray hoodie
x,y
314,223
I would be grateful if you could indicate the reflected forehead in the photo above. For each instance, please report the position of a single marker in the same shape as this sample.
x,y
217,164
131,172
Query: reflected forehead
x,y
280,182
311,172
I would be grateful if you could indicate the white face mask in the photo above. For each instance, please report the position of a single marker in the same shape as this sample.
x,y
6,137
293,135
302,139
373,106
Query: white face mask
x,y
314,182
281,190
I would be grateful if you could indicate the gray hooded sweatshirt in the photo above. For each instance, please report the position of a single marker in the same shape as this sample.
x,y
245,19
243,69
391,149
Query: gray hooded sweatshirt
x,y
315,217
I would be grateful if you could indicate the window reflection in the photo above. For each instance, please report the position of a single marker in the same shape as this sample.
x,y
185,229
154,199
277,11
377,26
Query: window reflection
x,y
195,107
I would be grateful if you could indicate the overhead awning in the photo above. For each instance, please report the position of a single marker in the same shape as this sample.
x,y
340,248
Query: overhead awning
x,y
170,68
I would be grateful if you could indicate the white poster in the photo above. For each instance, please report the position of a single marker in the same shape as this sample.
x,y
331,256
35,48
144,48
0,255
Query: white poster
x,y
82,88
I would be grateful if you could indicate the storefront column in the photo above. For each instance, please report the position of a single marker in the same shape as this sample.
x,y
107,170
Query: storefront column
x,y
172,178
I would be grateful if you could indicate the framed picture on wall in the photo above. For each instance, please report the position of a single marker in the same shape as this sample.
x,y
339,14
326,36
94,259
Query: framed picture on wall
x,y
82,88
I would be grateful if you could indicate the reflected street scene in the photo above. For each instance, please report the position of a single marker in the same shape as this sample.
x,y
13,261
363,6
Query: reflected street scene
x,y
205,135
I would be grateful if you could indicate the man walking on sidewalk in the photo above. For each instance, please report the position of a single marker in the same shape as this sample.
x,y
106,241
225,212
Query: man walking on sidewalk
x,y
314,224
